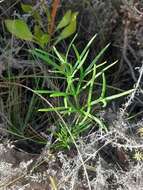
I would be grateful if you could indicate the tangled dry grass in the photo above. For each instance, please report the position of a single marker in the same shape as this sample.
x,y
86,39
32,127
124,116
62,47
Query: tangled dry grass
x,y
110,159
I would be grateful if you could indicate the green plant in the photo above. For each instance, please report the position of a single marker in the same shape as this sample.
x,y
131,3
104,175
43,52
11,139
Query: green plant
x,y
42,33
79,80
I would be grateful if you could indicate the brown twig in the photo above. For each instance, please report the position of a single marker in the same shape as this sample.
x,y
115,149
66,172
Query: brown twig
x,y
55,6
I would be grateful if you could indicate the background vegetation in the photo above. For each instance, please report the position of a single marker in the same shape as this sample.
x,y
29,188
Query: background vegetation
x,y
71,94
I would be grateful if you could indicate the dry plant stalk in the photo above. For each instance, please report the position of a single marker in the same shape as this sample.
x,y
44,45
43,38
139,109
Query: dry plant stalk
x,y
55,6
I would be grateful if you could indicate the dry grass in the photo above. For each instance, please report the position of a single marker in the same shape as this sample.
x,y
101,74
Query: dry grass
x,y
109,160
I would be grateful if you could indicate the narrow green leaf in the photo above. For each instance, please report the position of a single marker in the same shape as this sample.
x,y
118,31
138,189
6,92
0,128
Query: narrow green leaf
x,y
47,54
119,95
52,109
97,66
69,47
89,96
103,85
84,51
91,87
112,97
45,57
87,46
43,91
98,74
80,64
65,102
105,69
76,52
61,58
59,94
19,28
103,90
96,59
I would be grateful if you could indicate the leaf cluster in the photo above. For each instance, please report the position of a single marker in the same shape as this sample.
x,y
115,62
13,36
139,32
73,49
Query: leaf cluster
x,y
41,33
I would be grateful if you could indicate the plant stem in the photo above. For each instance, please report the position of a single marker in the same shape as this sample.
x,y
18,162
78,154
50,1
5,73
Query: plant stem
x,y
55,6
